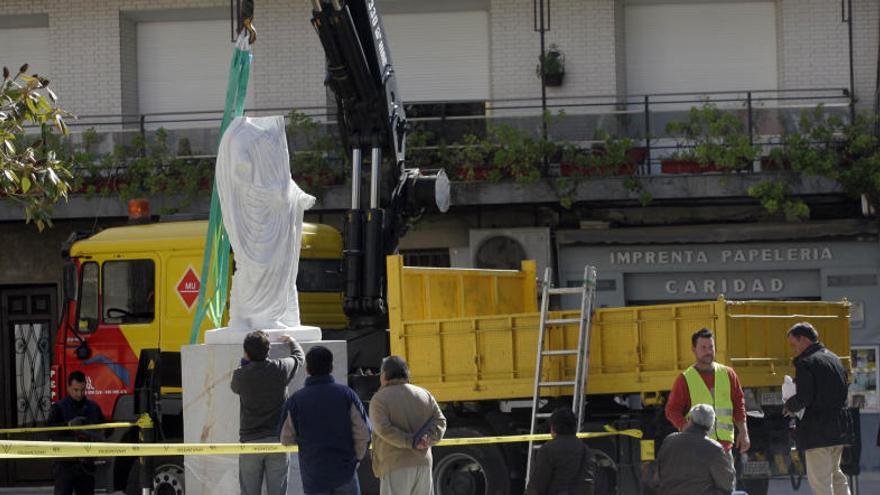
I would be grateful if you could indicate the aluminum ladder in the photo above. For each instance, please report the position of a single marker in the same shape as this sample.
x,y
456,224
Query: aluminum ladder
x,y
587,291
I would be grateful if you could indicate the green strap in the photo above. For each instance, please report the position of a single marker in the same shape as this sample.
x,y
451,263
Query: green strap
x,y
213,291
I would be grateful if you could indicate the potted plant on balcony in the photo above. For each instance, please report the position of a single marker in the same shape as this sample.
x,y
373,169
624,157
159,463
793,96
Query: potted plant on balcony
x,y
551,66
470,158
517,154
612,156
710,140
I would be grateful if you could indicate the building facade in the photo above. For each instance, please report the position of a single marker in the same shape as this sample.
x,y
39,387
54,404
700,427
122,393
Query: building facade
x,y
128,67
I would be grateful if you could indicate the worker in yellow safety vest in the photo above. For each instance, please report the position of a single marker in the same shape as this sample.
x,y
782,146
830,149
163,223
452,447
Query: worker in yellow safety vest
x,y
711,383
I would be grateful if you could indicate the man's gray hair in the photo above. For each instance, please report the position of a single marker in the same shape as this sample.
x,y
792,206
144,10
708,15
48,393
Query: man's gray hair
x,y
703,415
395,368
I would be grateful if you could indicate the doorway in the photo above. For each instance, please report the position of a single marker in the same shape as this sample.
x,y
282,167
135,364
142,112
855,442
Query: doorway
x,y
28,316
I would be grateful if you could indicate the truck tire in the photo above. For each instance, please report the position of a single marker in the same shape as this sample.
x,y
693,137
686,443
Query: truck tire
x,y
470,469
168,477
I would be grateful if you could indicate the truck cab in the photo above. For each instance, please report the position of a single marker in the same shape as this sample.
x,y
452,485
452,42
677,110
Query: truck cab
x,y
133,288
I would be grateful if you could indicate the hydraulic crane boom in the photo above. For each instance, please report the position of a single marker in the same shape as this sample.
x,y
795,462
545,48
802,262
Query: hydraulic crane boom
x,y
360,74
371,115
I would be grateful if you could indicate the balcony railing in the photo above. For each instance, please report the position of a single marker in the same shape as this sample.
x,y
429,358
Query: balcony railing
x,y
765,114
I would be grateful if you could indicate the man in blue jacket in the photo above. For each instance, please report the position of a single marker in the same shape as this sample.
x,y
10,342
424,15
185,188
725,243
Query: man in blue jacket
x,y
328,422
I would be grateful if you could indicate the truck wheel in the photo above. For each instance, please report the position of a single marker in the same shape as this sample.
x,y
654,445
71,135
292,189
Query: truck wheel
x,y
470,469
168,477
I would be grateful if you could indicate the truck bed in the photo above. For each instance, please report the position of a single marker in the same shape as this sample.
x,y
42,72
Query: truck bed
x,y
472,335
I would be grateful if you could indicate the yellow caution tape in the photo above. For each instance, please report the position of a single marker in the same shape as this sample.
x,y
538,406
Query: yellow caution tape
x,y
143,422
14,449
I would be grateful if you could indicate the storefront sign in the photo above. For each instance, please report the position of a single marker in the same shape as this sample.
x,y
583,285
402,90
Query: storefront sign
x,y
733,285
724,256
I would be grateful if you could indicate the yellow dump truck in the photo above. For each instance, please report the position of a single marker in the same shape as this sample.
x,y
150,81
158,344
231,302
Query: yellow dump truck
x,y
470,337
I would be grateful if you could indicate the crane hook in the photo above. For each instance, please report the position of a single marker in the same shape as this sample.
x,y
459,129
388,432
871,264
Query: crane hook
x,y
252,32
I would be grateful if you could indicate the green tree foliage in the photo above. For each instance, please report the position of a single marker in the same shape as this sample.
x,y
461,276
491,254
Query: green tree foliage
x,y
31,174
825,145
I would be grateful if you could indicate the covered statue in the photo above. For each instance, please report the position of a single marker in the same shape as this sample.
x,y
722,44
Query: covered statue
x,y
263,212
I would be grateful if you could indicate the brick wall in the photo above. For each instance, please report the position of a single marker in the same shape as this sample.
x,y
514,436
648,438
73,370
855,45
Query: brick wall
x,y
583,29
128,66
94,62
866,27
94,54
288,59
814,45
620,47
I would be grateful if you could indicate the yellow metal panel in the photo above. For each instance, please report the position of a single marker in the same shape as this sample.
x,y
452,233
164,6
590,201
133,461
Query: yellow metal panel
x,y
757,330
441,293
617,337
178,318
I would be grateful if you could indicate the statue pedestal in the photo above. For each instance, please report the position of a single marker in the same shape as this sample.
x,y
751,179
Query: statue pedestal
x,y
211,410
228,335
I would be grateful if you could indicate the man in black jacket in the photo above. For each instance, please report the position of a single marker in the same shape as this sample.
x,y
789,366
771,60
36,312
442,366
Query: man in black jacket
x,y
824,428
261,385
564,465
75,475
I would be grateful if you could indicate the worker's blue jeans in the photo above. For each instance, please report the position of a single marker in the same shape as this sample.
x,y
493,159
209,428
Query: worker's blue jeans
x,y
253,468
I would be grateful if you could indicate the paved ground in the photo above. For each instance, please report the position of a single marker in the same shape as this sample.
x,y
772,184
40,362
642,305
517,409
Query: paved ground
x,y
869,484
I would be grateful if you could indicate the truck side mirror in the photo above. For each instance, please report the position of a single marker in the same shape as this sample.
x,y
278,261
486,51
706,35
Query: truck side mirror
x,y
83,351
69,280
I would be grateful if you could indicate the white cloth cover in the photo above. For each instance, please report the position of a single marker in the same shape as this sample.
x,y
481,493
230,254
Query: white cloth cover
x,y
263,212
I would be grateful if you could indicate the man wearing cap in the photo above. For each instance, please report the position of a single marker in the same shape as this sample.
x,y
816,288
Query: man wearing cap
x,y
711,383
691,462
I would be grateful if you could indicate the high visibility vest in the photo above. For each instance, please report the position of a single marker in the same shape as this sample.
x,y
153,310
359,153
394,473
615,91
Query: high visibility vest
x,y
721,402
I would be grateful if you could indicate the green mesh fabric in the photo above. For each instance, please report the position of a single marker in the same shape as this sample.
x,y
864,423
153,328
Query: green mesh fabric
x,y
214,289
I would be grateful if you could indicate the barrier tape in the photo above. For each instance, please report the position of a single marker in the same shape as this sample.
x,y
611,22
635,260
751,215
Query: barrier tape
x,y
16,449
143,422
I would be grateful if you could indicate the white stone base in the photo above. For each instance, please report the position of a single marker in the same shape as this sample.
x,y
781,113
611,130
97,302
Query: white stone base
x,y
228,335
211,411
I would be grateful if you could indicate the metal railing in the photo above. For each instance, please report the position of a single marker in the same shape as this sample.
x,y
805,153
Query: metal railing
x,y
765,114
